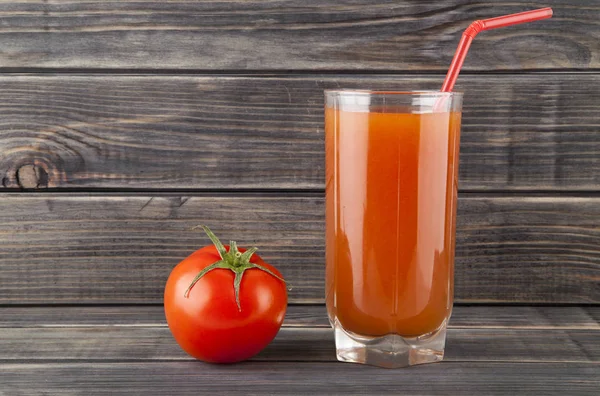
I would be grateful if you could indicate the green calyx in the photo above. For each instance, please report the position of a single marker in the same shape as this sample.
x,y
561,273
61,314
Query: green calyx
x,y
233,260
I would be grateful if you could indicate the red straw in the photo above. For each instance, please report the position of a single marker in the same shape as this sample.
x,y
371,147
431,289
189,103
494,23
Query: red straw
x,y
487,24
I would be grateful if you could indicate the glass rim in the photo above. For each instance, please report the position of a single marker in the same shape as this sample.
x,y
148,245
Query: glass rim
x,y
370,92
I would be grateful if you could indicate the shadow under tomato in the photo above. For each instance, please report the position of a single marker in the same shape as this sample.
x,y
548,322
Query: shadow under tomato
x,y
300,344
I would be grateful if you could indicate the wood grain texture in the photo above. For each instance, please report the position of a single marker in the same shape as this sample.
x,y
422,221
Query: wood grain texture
x,y
520,132
297,344
120,249
292,378
16,316
285,35
315,316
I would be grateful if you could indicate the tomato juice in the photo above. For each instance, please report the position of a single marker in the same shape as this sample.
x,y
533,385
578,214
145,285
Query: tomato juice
x,y
391,186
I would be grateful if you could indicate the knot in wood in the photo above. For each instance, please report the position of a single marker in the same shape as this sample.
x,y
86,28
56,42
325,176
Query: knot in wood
x,y
32,176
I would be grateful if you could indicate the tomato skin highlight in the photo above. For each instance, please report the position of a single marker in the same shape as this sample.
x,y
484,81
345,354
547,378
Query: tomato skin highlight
x,y
208,324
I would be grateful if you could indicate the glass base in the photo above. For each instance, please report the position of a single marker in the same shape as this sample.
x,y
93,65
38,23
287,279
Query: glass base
x,y
390,351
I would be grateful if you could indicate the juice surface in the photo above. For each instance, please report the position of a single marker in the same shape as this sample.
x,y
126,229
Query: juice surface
x,y
391,186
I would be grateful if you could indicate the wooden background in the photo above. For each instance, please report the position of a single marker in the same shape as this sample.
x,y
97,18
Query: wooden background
x,y
123,124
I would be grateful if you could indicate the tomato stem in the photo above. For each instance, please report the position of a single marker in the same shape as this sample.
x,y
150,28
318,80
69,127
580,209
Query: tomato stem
x,y
233,260
220,248
218,264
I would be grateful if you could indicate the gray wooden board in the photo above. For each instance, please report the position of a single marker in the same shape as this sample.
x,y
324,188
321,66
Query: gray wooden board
x,y
285,35
520,132
473,316
120,248
134,343
293,378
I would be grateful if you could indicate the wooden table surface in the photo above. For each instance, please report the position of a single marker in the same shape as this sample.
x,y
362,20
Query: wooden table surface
x,y
107,350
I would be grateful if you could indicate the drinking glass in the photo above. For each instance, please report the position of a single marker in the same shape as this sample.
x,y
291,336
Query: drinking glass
x,y
391,195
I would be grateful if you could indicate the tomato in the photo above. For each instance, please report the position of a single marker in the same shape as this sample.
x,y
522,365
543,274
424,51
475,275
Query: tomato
x,y
224,304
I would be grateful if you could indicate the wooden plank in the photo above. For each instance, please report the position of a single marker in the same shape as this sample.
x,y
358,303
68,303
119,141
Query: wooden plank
x,y
473,316
284,35
115,249
529,246
120,249
298,344
153,316
520,132
526,317
254,378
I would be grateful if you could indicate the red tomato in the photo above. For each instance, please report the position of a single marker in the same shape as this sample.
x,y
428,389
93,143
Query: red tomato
x,y
207,320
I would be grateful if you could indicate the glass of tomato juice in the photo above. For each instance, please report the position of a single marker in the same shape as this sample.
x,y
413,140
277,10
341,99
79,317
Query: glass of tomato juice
x,y
391,196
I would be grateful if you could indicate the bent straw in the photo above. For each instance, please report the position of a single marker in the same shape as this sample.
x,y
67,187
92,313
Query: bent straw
x,y
487,24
